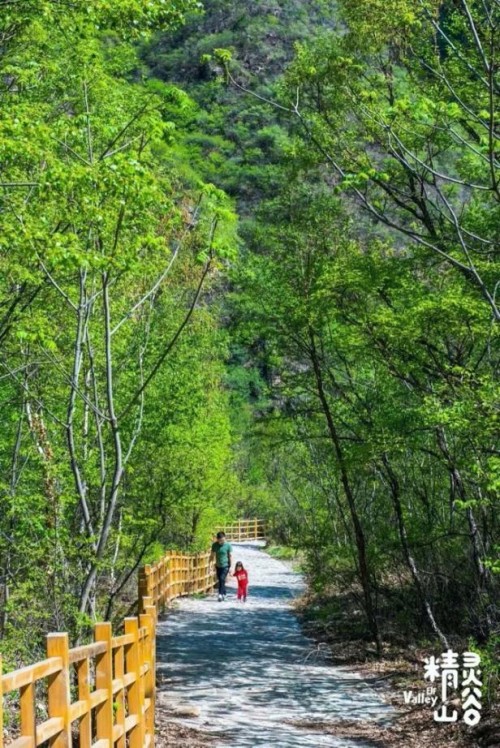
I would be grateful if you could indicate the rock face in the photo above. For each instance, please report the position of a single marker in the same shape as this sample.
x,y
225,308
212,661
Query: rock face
x,y
248,671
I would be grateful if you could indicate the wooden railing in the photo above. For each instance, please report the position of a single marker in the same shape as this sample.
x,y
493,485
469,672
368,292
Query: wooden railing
x,y
175,575
246,529
103,694
114,681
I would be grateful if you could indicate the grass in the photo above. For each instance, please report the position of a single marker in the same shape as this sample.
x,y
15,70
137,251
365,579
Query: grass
x,y
286,553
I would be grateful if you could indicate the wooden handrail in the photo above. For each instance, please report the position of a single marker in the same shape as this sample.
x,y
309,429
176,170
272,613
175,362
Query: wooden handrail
x,y
175,575
108,674
246,529
113,677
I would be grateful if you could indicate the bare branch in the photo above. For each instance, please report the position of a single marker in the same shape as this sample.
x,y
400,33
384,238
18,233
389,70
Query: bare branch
x,y
162,276
122,132
175,337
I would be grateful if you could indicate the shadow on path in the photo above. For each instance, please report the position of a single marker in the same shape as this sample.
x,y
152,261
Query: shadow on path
x,y
248,668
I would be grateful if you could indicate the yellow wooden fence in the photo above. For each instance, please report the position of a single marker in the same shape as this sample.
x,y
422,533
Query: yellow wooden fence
x,y
113,680
173,576
102,694
246,529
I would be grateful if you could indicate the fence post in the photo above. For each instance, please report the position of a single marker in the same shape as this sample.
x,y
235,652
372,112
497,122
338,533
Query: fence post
x,y
177,575
173,579
58,689
104,680
153,584
171,593
165,581
119,698
151,609
28,719
133,665
173,568
144,584
168,578
161,599
147,620
83,678
153,613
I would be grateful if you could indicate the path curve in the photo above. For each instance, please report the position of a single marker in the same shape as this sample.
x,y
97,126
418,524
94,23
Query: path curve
x,y
246,668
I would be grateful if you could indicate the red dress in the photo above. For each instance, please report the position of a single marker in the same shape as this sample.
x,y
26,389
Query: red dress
x,y
242,578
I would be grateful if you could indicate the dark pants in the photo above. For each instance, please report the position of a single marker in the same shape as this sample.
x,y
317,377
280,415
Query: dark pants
x,y
222,572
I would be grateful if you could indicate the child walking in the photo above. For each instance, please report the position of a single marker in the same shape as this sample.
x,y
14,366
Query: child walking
x,y
242,576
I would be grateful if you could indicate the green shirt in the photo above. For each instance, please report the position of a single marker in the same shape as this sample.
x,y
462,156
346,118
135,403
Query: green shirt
x,y
222,553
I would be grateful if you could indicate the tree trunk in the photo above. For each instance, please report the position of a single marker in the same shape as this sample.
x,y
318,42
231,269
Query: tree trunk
x,y
398,509
359,535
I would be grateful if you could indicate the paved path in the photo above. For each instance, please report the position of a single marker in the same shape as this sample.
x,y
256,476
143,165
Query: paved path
x,y
246,668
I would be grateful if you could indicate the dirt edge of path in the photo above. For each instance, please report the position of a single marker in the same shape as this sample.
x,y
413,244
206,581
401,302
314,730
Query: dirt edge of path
x,y
399,669
169,732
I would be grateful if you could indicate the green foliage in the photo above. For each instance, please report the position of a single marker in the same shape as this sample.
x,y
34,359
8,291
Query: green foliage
x,y
117,439
235,140
405,380
366,298
329,361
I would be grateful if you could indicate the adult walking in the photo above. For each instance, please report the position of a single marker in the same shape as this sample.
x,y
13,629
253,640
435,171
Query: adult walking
x,y
222,551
